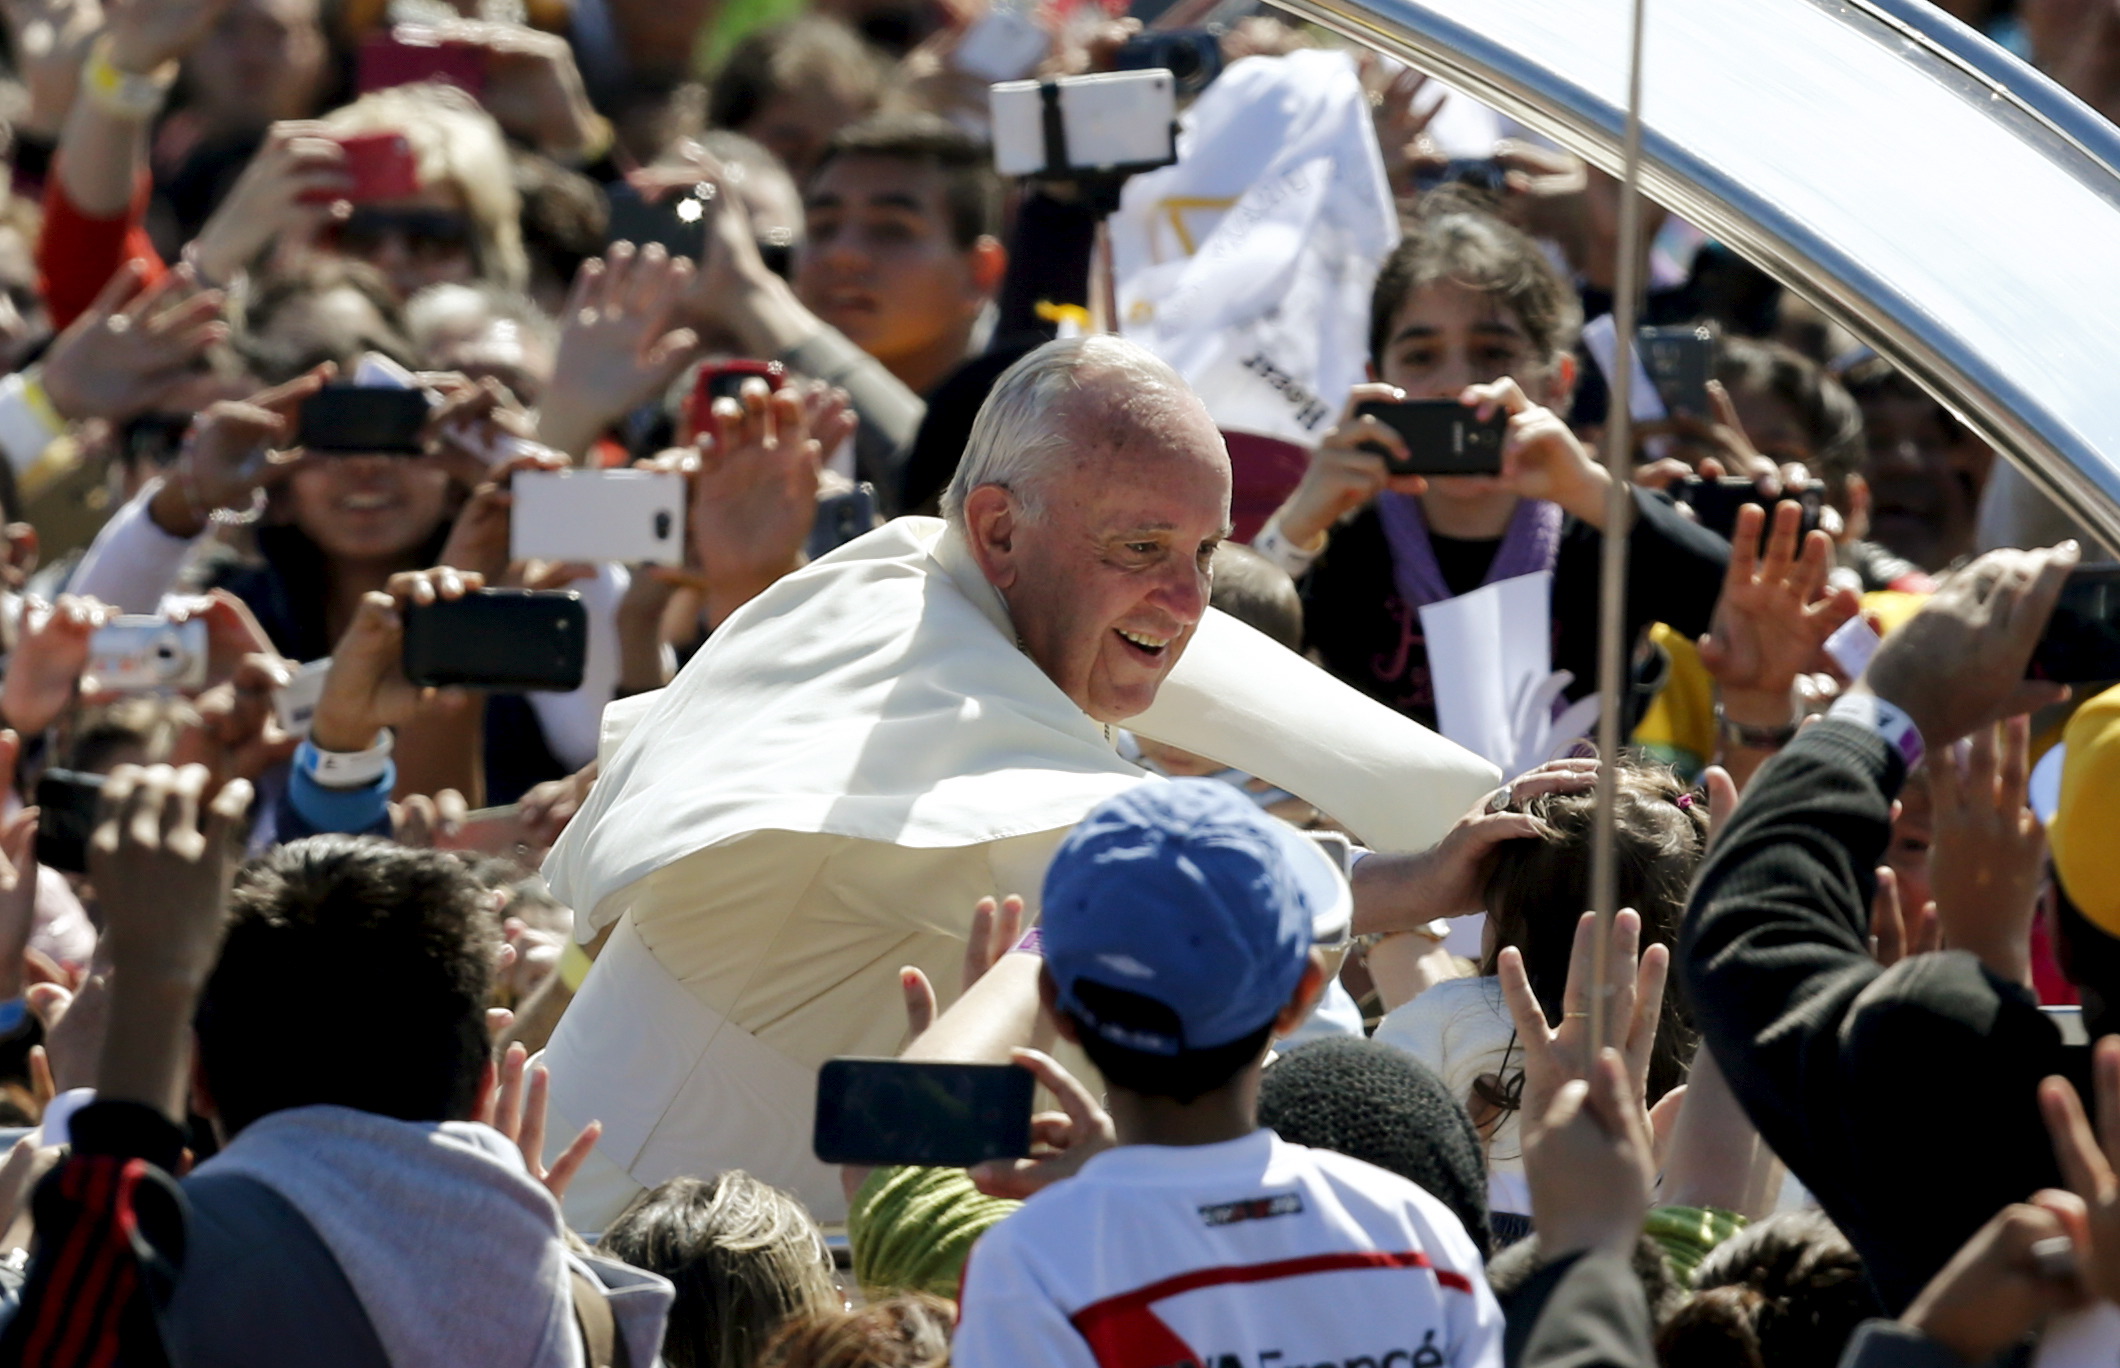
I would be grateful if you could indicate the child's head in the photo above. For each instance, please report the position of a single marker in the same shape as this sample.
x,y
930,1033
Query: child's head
x,y
746,1259
1540,887
1787,1291
1178,928
1465,298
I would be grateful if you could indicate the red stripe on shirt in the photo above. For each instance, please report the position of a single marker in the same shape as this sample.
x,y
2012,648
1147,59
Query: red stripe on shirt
x,y
1123,1332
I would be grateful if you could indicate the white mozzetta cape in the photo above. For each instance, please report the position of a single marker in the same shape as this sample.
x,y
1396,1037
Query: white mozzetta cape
x,y
856,757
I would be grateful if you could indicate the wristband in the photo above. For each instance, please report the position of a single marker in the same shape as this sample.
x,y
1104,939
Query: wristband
x,y
573,967
1276,546
1887,720
124,93
345,769
1753,737
1033,943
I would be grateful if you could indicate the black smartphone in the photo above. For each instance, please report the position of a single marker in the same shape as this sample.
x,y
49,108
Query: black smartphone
x,y
1480,173
2081,644
1193,57
1715,503
67,801
1442,436
1680,362
677,219
363,418
508,639
841,518
935,1115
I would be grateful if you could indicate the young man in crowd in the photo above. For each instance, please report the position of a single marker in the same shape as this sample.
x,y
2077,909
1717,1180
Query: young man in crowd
x,y
1177,941
355,1214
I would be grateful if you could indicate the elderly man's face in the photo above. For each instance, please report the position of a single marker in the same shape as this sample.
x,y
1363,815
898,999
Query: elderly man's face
x,y
1106,586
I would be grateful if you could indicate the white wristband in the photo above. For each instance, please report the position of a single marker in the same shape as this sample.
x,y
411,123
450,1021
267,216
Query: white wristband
x,y
1275,545
345,769
1888,720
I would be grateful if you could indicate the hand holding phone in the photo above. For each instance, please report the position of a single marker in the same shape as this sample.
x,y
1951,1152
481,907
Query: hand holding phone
x,y
67,801
365,689
630,516
2081,643
1441,436
1680,362
1715,503
365,420
724,380
513,640
134,653
923,1113
411,53
1112,123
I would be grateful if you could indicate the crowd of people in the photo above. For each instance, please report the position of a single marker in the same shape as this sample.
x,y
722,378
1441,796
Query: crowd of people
x,y
996,699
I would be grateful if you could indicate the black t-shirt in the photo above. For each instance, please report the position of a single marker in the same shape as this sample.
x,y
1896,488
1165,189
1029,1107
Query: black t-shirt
x,y
1464,561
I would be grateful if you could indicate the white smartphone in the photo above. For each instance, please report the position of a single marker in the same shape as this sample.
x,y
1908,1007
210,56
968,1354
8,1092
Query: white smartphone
x,y
131,654
1112,121
297,703
598,515
1004,45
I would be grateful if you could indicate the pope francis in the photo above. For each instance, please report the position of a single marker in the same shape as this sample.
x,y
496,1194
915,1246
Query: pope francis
x,y
905,726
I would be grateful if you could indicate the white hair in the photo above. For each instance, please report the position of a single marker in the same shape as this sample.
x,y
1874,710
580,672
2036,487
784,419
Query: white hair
x,y
1021,428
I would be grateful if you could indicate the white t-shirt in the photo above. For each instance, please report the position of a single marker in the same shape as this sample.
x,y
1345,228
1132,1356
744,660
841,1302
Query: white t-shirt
x,y
1461,1029
1253,1252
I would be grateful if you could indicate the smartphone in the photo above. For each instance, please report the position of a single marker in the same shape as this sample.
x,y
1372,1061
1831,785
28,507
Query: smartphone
x,y
1481,173
724,380
1680,362
2081,644
1715,503
341,419
677,219
411,53
381,165
1193,57
1442,436
512,640
296,705
634,516
134,653
493,831
841,518
1110,123
1003,45
67,802
934,1115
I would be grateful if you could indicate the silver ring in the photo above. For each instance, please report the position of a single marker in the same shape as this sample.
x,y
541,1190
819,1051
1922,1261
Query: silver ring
x,y
1501,800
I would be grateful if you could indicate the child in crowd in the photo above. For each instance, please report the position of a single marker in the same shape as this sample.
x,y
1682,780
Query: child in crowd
x,y
1177,940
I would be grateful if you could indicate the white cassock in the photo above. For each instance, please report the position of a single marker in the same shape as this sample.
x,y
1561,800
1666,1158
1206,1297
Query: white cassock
x,y
857,757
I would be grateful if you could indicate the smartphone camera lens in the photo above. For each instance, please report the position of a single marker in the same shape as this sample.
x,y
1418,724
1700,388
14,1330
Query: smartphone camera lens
x,y
662,525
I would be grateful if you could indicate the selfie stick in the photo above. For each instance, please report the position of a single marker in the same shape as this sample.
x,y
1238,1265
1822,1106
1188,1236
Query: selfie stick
x,y
1612,599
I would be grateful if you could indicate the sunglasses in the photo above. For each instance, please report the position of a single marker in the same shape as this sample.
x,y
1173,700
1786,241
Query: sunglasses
x,y
424,231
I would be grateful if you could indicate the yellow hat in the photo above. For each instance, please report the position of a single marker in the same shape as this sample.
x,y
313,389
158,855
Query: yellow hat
x,y
2085,833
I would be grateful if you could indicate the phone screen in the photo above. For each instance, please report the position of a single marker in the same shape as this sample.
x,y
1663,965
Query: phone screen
x,y
508,639
1680,362
895,1111
2081,644
66,818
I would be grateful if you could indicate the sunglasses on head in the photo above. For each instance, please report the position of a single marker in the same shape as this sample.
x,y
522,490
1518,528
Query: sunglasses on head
x,y
433,230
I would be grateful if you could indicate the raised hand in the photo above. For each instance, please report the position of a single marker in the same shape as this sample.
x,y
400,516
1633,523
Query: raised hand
x,y
1998,1288
534,90
366,690
289,192
132,347
1634,1004
1062,1141
617,344
754,496
44,669
1347,470
51,40
1541,457
1773,617
18,880
238,735
1988,856
479,540
2090,1164
996,927
1959,663
234,450
516,1108
1896,931
144,34
1588,1161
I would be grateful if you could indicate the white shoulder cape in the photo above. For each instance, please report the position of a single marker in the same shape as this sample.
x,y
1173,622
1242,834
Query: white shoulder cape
x,y
878,694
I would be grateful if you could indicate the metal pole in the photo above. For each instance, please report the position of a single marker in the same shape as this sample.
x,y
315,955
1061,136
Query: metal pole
x,y
1612,644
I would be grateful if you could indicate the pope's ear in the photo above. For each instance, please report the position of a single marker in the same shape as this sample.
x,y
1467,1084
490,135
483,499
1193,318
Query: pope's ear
x,y
990,525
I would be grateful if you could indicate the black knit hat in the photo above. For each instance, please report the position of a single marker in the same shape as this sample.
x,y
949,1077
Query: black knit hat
x,y
1381,1105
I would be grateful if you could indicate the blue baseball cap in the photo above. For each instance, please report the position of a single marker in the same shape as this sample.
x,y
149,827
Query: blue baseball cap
x,y
1177,916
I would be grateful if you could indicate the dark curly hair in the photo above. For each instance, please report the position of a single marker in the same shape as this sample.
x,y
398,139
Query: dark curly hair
x,y
1786,1293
